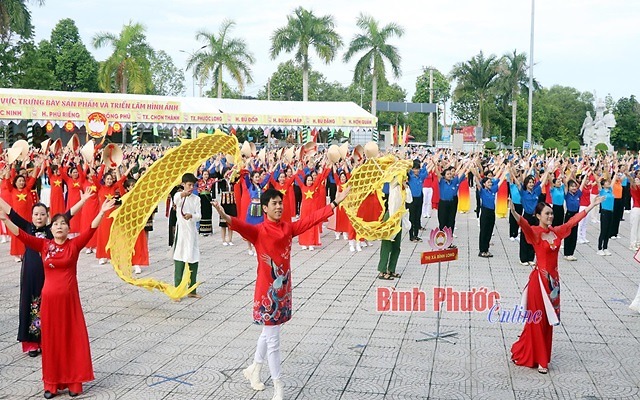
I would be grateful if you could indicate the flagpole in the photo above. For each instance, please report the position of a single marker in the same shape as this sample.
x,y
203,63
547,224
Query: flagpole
x,y
530,113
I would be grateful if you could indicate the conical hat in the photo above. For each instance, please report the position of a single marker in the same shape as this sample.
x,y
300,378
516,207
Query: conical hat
x,y
57,146
87,151
358,153
112,155
44,146
262,154
334,153
19,151
245,150
74,143
288,154
309,149
344,150
371,149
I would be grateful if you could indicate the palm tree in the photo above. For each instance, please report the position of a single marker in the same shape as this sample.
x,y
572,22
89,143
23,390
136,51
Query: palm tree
x,y
222,52
15,17
128,69
513,78
476,77
302,31
373,41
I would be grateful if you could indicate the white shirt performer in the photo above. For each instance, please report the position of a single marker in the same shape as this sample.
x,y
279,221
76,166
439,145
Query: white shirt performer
x,y
185,246
272,297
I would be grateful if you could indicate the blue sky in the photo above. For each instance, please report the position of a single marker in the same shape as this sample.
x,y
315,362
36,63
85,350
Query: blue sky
x,y
586,44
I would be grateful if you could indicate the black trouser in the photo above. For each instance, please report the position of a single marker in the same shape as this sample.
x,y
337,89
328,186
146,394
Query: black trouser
x,y
558,215
571,240
332,188
527,254
618,212
298,194
487,222
513,224
606,222
415,209
626,197
478,205
446,214
173,220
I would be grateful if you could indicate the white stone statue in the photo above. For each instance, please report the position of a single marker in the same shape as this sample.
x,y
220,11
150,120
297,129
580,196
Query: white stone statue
x,y
598,130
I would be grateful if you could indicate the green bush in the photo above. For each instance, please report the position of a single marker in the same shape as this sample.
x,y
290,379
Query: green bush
x,y
550,144
490,146
573,147
602,148
519,142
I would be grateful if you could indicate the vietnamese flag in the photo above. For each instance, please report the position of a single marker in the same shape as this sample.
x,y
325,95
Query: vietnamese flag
x,y
232,131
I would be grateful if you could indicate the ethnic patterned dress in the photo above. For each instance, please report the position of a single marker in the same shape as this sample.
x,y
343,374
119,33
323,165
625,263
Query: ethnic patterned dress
x,y
272,240
542,293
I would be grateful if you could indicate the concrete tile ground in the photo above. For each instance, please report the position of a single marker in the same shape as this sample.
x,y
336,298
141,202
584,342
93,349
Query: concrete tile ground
x,y
337,345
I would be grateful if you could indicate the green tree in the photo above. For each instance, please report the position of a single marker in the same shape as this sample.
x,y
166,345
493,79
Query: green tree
x,y
627,130
73,66
373,42
222,52
286,85
441,94
128,69
35,68
303,31
167,79
476,77
15,17
513,77
559,113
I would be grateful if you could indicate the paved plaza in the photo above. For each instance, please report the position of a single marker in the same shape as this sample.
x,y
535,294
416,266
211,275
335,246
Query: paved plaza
x,y
337,346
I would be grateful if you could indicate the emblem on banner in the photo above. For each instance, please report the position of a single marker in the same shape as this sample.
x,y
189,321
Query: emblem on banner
x,y
97,125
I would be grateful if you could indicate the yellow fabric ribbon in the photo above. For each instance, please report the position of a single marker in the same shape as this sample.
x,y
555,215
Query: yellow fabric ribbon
x,y
369,178
137,205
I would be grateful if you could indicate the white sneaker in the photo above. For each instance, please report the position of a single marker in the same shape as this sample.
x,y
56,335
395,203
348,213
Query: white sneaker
x,y
345,236
311,248
363,244
337,235
613,238
618,237
4,239
524,263
252,373
304,247
249,252
601,253
352,248
18,259
102,261
137,269
512,239
231,244
87,251
358,246
225,243
455,236
570,258
607,252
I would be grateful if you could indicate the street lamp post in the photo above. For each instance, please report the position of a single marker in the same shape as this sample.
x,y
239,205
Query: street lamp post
x,y
193,76
530,111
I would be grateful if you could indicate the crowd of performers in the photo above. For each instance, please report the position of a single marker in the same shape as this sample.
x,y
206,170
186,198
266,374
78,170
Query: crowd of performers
x,y
554,200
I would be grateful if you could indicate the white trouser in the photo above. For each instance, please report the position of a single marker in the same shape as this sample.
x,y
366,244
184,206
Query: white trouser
x,y
427,195
595,216
635,226
269,348
582,226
